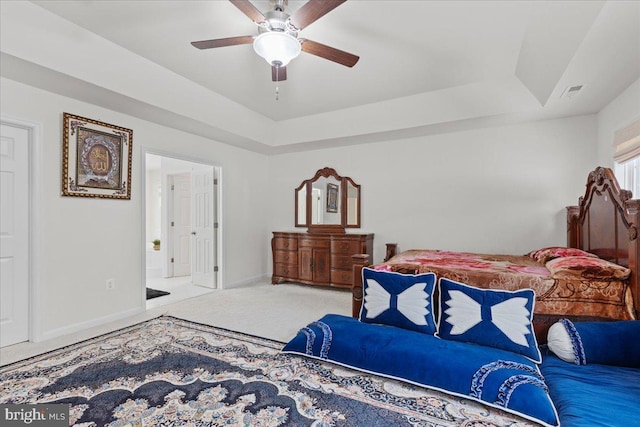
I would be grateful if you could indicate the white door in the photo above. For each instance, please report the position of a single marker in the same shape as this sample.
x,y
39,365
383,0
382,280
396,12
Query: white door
x,y
203,222
14,235
181,225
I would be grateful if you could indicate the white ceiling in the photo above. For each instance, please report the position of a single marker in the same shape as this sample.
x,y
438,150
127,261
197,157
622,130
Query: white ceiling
x,y
425,66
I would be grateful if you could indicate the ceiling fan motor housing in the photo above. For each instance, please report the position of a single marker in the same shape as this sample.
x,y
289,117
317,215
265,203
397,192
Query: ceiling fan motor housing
x,y
279,4
277,21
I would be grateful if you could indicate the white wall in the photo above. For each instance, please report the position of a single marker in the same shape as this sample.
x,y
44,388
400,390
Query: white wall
x,y
494,190
620,112
87,241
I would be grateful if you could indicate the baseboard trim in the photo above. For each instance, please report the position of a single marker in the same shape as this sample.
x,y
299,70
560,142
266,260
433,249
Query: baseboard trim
x,y
77,327
248,281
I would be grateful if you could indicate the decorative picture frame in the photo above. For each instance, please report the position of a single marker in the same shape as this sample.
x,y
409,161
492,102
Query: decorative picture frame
x,y
96,159
332,197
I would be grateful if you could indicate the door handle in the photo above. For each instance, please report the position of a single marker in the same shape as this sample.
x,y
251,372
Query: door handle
x,y
193,232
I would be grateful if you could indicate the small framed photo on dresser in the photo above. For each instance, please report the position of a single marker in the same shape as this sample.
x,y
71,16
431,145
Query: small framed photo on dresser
x,y
332,197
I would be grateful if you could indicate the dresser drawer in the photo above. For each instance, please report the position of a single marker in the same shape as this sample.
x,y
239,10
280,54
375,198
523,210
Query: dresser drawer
x,y
342,277
286,257
341,262
286,270
345,247
285,243
314,243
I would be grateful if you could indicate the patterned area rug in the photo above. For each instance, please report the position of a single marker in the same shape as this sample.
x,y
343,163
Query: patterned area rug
x,y
172,372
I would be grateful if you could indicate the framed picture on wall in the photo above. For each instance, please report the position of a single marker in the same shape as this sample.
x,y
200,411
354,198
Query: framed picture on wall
x,y
96,159
332,197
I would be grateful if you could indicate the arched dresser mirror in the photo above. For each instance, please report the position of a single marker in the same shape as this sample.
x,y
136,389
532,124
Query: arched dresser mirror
x,y
327,204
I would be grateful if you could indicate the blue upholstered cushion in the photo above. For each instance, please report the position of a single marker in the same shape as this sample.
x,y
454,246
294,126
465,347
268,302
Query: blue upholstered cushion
x,y
495,377
402,300
592,395
605,343
493,318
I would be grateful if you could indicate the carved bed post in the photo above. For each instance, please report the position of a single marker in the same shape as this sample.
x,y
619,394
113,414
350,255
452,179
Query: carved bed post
x,y
633,211
392,250
573,214
359,262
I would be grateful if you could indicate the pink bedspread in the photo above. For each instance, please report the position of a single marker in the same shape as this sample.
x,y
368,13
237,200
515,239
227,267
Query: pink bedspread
x,y
589,298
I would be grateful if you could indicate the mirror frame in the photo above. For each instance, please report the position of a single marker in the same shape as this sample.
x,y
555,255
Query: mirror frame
x,y
345,181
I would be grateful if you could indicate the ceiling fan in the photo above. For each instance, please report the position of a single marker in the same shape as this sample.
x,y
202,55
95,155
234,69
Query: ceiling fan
x,y
277,40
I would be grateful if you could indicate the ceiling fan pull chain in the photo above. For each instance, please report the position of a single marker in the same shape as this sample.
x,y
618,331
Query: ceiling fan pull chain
x,y
277,80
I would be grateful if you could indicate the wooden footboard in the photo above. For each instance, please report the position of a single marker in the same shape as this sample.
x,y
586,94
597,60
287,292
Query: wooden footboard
x,y
359,262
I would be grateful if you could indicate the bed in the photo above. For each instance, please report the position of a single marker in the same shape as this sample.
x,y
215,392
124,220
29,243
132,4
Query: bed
x,y
465,324
604,225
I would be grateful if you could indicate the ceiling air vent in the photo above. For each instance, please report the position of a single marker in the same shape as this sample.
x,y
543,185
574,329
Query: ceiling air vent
x,y
571,92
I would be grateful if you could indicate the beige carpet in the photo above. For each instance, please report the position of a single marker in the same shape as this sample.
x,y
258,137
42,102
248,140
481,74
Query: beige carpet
x,y
275,312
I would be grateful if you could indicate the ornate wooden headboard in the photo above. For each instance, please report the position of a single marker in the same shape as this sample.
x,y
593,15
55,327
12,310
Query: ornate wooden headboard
x,y
607,223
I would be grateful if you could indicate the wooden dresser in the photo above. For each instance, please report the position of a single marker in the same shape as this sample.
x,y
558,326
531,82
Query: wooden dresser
x,y
317,259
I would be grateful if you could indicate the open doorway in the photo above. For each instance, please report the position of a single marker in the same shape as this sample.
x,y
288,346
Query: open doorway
x,y
181,228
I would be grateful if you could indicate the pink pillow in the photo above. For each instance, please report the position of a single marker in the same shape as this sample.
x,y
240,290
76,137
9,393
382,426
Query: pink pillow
x,y
587,268
546,254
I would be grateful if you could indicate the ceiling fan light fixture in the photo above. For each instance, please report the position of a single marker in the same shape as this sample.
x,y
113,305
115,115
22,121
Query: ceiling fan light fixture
x,y
277,47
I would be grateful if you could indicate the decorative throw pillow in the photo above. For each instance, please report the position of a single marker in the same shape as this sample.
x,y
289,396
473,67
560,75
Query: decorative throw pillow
x,y
402,300
489,317
586,267
605,343
546,254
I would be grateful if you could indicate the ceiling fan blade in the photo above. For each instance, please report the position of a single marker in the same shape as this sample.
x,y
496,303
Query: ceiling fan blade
x,y
331,53
249,9
312,11
229,41
278,74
